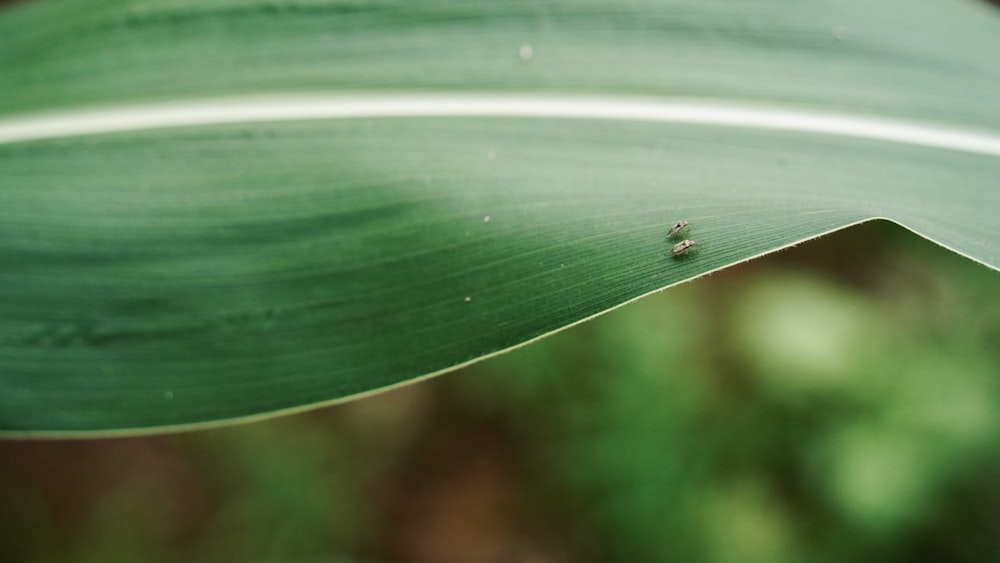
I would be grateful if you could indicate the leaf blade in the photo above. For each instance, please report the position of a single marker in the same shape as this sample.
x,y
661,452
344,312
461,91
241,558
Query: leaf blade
x,y
175,277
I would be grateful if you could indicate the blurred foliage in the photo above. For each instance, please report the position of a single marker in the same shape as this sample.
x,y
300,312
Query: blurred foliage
x,y
836,402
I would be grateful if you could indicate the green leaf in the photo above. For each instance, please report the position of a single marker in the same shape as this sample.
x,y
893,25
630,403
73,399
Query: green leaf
x,y
192,230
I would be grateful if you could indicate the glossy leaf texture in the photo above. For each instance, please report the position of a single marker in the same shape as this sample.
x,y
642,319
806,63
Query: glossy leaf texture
x,y
162,277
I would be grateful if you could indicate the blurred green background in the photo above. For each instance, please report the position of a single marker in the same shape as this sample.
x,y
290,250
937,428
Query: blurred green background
x,y
833,402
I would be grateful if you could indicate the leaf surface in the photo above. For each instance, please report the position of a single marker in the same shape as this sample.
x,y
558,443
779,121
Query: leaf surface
x,y
175,273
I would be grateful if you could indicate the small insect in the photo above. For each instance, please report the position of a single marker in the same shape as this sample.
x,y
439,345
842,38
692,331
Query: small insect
x,y
683,247
677,229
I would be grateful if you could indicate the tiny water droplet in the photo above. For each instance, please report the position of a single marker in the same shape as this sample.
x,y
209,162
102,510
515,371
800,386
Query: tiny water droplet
x,y
840,32
486,219
525,52
492,155
468,300
168,395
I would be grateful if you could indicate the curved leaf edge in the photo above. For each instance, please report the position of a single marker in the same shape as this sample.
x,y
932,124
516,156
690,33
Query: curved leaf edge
x,y
259,417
